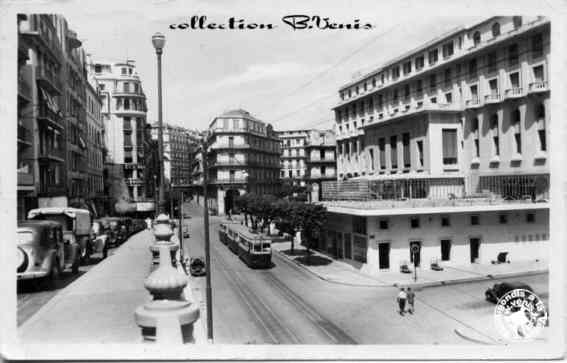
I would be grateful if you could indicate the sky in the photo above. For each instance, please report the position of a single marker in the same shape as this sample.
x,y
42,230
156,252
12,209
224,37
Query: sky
x,y
289,78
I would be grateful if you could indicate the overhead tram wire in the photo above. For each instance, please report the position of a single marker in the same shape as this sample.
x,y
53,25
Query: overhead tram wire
x,y
341,61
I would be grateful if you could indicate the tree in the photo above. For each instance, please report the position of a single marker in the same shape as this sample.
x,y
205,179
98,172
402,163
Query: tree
x,y
313,217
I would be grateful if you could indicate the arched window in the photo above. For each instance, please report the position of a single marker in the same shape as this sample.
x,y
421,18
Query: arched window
x,y
495,29
517,21
476,38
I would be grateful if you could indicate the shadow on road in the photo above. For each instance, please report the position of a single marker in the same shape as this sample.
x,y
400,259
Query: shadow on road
x,y
295,252
37,285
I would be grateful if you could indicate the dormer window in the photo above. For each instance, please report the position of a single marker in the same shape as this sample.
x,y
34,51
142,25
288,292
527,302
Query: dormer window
x,y
495,29
476,38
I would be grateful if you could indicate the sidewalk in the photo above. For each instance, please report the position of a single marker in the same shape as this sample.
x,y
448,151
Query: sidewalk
x,y
99,306
342,272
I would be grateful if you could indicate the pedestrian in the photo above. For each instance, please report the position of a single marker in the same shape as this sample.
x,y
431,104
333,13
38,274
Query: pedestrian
x,y
402,297
148,223
229,212
411,300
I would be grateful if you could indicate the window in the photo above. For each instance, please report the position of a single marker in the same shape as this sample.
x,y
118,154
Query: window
x,y
517,21
537,45
538,74
383,224
373,82
476,38
407,67
433,100
513,56
97,68
530,217
476,136
396,72
414,222
475,220
382,152
406,150
473,68
445,250
449,140
474,93
447,77
359,225
449,97
124,71
515,120
394,151
503,219
433,56
419,63
515,80
495,134
493,86
419,86
492,61
540,117
432,82
395,97
419,144
445,221
495,29
371,154
447,49
406,92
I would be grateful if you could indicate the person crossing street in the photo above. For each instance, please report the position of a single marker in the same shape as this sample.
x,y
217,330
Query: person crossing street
x,y
402,297
410,300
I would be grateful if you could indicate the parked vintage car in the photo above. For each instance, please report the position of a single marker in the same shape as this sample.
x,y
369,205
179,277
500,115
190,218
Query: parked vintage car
x,y
498,290
42,251
76,225
197,266
100,235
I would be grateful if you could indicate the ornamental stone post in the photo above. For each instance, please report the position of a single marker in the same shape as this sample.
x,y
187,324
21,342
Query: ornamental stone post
x,y
169,317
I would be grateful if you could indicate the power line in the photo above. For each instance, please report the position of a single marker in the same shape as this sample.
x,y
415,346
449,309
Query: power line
x,y
341,61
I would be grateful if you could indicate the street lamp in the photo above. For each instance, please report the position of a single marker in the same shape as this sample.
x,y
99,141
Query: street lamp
x,y
158,40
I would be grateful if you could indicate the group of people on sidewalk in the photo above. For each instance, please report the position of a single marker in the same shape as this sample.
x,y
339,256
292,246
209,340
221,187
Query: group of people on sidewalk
x,y
406,296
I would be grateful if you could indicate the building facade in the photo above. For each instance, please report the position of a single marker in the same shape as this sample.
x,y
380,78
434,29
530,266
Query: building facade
x,y
41,126
451,134
179,146
124,116
95,152
321,163
293,166
244,156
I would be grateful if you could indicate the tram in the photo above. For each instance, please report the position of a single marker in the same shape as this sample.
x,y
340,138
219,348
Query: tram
x,y
254,249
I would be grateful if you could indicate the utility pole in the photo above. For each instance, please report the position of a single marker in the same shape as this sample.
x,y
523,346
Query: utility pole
x,y
207,244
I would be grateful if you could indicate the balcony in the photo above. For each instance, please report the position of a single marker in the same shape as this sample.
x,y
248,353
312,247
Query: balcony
x,y
230,146
48,79
514,92
25,136
492,98
47,189
241,180
132,166
24,87
52,154
46,114
473,103
128,93
538,86
134,181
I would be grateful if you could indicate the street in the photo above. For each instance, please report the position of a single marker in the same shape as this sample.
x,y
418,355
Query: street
x,y
288,305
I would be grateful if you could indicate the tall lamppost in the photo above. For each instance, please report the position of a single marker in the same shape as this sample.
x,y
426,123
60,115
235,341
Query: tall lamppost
x,y
158,41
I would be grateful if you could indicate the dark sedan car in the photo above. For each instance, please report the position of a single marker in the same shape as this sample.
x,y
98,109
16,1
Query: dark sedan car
x,y
498,290
197,266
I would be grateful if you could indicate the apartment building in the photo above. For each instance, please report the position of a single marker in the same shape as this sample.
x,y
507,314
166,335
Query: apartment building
x,y
179,146
41,126
124,116
95,151
243,157
445,150
321,163
293,166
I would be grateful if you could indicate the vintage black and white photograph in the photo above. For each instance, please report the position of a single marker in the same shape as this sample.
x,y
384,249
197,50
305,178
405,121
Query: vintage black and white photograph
x,y
251,179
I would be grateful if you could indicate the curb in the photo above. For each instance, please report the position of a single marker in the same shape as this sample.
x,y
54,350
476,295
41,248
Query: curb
x,y
421,284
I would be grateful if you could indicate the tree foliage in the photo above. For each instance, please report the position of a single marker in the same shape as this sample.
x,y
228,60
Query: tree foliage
x,y
289,216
